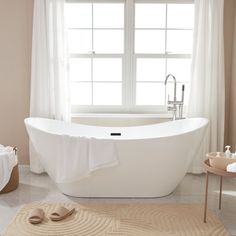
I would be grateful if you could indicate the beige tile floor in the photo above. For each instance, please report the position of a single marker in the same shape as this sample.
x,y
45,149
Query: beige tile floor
x,y
191,190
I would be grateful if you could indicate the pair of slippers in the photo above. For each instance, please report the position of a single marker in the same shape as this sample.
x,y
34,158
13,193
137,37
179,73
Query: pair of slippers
x,y
36,216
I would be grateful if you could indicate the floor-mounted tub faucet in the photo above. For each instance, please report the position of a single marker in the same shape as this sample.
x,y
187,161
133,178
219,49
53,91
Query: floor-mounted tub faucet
x,y
174,103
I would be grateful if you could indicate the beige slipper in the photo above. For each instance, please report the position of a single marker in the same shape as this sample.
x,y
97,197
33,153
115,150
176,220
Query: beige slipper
x,y
36,216
61,213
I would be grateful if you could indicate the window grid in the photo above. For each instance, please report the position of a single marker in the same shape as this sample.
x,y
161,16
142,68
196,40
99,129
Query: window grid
x,y
92,55
166,56
129,79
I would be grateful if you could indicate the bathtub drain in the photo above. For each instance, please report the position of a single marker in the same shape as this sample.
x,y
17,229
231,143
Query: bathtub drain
x,y
115,134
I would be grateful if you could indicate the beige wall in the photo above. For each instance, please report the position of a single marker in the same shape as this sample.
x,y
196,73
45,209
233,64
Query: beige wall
x,y
228,37
232,102
15,57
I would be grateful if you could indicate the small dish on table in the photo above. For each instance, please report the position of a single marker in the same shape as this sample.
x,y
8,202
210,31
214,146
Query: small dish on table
x,y
219,160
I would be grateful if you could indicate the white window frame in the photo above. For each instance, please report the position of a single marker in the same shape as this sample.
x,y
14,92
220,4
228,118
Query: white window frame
x,y
129,59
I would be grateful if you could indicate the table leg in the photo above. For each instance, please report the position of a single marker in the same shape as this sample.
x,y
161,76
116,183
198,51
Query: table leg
x,y
206,193
221,180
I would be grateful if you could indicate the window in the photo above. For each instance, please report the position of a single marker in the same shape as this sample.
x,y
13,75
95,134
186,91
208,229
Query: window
x,y
121,51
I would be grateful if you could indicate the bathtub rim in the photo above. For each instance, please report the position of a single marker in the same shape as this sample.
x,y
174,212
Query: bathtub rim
x,y
116,138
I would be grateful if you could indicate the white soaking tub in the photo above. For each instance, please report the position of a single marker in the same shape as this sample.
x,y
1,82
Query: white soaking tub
x,y
153,159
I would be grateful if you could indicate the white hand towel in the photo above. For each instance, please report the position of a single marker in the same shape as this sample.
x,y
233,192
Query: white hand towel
x,y
77,157
70,160
102,154
8,160
74,158
231,167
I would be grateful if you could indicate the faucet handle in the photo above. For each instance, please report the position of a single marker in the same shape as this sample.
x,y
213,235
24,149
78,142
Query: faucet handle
x,y
180,103
172,108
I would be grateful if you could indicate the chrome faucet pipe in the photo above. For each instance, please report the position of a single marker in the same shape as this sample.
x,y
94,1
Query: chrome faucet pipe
x,y
167,77
174,103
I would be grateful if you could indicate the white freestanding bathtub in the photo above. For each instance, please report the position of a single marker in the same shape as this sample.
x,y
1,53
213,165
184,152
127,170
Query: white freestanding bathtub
x,y
153,159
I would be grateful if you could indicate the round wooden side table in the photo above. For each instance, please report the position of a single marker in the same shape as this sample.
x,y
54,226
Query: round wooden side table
x,y
215,171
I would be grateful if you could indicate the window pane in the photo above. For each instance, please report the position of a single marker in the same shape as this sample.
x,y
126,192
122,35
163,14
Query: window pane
x,y
107,69
81,93
80,41
180,16
80,69
108,41
180,68
150,93
78,15
179,41
107,94
149,41
108,15
150,69
150,15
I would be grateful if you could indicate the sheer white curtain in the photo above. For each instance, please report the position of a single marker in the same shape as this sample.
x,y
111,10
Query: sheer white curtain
x,y
49,85
207,83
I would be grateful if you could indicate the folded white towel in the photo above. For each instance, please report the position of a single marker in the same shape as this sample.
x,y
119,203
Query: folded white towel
x,y
8,160
231,167
6,149
73,163
102,154
77,157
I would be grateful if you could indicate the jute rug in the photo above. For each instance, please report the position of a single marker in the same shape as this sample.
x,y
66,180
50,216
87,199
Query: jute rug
x,y
120,219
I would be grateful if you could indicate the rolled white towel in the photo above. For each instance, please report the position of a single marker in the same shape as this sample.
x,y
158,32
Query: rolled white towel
x,y
5,149
7,152
231,167
8,160
9,149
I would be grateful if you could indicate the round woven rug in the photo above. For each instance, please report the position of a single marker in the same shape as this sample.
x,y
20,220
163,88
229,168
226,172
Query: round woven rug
x,y
120,219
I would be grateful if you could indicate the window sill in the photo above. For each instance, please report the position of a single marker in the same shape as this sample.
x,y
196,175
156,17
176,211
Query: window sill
x,y
121,115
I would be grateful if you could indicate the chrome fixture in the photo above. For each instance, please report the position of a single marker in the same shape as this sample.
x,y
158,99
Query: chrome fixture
x,y
174,103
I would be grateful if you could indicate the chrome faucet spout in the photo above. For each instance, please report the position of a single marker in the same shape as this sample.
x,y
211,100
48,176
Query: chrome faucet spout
x,y
175,82
167,77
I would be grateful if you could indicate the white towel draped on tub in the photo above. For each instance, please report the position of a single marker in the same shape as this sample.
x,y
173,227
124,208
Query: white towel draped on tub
x,y
76,157
72,162
102,153
7,162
